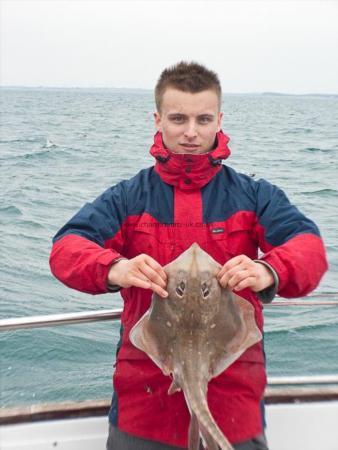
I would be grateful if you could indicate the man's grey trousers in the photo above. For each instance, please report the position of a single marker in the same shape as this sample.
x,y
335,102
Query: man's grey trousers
x,y
118,440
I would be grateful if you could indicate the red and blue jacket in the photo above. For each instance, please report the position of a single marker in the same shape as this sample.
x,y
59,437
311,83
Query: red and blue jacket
x,y
161,212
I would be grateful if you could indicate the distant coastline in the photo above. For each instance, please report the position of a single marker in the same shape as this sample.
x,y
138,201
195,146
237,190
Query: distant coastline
x,y
308,94
76,88
143,90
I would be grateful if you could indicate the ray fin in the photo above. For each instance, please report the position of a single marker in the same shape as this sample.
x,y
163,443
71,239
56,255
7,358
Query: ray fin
x,y
248,335
174,387
142,336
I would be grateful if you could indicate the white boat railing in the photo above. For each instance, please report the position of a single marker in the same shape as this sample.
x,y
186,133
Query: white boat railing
x,y
18,323
317,380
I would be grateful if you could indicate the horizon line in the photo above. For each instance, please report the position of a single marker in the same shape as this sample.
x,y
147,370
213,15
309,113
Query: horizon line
x,y
13,86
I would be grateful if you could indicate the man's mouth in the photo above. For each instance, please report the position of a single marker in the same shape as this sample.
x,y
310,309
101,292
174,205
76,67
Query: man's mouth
x,y
189,146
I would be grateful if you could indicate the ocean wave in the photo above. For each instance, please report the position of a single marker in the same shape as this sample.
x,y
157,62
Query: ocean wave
x,y
321,192
300,328
49,144
40,154
297,130
317,149
14,141
30,224
11,210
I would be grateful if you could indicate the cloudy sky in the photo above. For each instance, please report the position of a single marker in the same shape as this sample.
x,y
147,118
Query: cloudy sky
x,y
255,46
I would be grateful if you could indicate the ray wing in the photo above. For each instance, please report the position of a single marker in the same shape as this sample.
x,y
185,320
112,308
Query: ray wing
x,y
246,333
154,336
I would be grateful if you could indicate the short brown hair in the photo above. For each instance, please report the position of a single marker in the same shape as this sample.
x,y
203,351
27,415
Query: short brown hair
x,y
187,77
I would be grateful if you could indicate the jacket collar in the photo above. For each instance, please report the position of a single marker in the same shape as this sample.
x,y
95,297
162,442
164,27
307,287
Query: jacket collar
x,y
186,171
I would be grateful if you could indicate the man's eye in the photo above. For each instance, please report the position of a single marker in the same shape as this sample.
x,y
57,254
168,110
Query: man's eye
x,y
205,120
178,119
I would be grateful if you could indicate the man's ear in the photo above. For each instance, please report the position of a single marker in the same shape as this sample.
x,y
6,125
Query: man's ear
x,y
219,125
158,121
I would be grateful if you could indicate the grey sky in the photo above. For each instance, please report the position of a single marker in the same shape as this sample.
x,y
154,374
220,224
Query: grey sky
x,y
255,46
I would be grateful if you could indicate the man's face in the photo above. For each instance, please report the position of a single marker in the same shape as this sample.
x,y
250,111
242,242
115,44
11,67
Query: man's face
x,y
189,122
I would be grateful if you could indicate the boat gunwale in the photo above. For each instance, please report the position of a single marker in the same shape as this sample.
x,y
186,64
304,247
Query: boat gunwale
x,y
94,408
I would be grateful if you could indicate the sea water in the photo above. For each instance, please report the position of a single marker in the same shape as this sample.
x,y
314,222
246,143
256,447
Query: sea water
x,y
60,148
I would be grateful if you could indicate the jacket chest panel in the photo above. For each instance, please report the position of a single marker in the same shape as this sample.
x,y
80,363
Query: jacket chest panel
x,y
164,242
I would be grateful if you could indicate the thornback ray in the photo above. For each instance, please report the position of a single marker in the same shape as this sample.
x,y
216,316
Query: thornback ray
x,y
194,334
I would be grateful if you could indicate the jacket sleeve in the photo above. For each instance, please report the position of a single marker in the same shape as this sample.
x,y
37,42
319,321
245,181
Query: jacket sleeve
x,y
85,248
290,241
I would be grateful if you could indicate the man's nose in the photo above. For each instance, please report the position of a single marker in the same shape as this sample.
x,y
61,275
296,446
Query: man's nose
x,y
191,131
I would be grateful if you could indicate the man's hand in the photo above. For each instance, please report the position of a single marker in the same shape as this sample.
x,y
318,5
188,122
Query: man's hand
x,y
242,272
142,271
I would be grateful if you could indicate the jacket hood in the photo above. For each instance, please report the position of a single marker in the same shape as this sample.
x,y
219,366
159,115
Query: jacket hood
x,y
189,171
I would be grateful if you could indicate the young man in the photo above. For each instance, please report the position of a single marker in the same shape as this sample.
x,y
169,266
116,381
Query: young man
x,y
125,237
